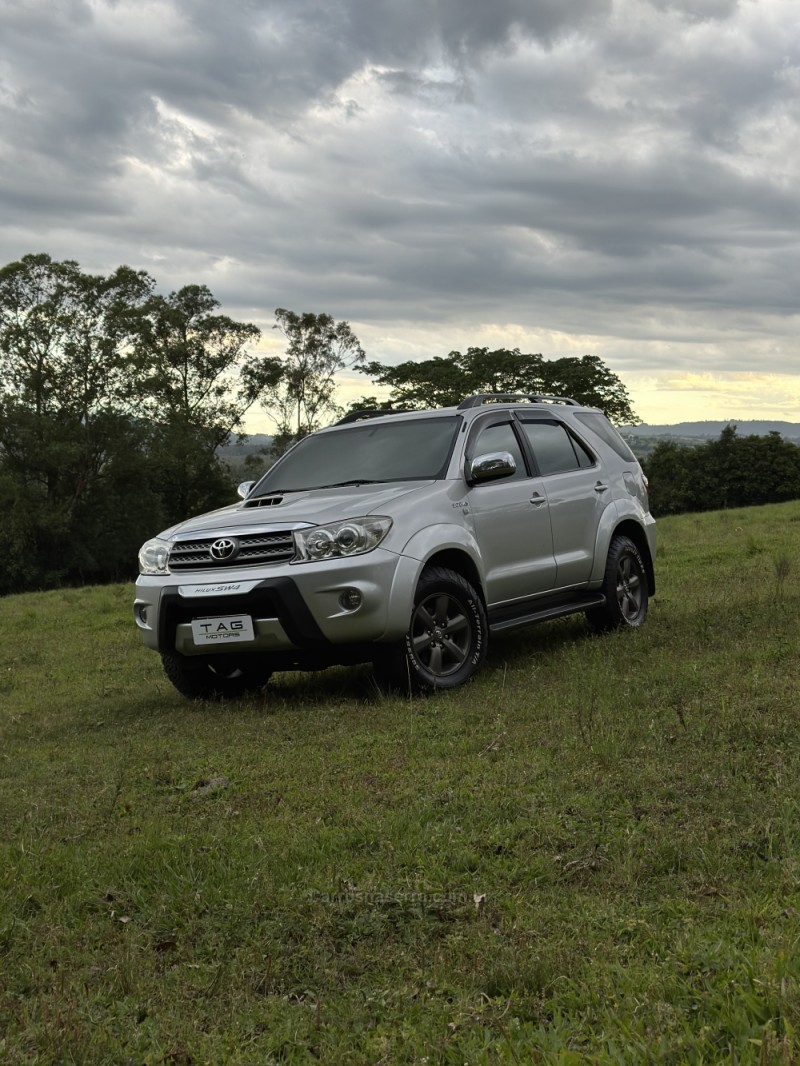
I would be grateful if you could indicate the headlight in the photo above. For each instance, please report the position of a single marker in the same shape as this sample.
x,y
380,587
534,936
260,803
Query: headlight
x,y
153,557
340,539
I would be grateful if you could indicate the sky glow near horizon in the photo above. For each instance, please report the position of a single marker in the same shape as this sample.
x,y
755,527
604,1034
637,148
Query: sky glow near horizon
x,y
614,177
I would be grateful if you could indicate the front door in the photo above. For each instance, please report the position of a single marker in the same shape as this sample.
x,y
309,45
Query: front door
x,y
511,522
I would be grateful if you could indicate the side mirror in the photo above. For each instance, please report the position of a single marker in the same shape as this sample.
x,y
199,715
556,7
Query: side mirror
x,y
244,489
491,467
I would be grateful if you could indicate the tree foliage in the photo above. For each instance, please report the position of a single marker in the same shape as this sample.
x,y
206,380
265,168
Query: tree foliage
x,y
112,403
64,424
444,382
194,377
193,366
731,471
63,335
317,349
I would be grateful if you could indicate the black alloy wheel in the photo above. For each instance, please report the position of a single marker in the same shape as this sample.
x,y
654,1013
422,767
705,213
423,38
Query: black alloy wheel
x,y
446,640
625,587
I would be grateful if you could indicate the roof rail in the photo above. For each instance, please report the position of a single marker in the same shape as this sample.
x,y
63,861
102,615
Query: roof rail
x,y
481,398
369,412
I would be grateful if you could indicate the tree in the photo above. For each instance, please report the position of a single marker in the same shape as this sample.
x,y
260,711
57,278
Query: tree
x,y
731,471
771,471
370,403
63,335
113,401
317,349
589,381
196,378
444,382
721,469
193,366
672,471
63,427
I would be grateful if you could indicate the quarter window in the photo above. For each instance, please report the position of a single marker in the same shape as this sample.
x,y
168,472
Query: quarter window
x,y
606,432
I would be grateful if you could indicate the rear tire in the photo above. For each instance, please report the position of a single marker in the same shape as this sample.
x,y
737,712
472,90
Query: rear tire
x,y
212,677
446,640
625,588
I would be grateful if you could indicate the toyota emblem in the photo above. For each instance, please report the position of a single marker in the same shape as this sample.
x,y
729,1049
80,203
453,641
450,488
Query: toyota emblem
x,y
224,548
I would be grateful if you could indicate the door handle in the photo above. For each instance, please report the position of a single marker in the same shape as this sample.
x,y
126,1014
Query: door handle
x,y
600,487
537,499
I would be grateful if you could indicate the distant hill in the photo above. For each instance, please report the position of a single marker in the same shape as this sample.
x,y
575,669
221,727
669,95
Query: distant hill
x,y
253,445
643,439
709,429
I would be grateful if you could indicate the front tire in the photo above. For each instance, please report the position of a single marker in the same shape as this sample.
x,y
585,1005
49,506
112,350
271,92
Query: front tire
x,y
215,676
625,588
446,640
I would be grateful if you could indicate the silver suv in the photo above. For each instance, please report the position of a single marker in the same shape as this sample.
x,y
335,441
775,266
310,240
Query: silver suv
x,y
405,540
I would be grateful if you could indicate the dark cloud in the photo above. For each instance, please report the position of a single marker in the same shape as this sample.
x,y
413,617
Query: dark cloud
x,y
386,29
699,10
561,164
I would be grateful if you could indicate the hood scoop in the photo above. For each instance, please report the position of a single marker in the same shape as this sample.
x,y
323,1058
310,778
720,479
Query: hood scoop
x,y
264,501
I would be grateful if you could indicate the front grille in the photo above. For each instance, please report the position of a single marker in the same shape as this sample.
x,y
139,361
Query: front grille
x,y
252,549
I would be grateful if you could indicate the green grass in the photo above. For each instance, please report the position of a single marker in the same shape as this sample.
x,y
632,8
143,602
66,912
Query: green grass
x,y
589,855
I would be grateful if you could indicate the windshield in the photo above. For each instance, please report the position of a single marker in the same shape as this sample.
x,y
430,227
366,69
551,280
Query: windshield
x,y
411,450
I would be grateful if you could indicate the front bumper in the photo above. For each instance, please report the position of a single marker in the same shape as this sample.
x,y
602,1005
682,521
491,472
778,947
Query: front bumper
x,y
293,607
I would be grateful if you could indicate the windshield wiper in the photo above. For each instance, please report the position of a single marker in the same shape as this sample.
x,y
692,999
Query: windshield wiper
x,y
355,481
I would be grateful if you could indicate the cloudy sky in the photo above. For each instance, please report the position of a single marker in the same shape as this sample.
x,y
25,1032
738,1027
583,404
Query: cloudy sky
x,y
614,177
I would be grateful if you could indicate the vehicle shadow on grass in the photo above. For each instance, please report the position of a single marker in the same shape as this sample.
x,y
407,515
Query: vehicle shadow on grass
x,y
325,691
290,691
515,648
302,692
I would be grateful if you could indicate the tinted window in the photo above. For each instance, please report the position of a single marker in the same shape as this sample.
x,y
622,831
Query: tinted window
x,y
605,431
500,438
554,448
411,450
585,457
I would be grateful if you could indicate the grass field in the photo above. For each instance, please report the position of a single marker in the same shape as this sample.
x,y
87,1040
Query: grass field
x,y
589,855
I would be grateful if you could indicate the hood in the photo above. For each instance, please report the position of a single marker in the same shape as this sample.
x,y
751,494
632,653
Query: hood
x,y
307,507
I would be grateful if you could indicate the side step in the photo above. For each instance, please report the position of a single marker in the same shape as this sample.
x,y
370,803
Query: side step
x,y
505,618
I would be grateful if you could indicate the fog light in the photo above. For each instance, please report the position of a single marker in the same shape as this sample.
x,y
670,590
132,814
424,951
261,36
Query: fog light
x,y
350,599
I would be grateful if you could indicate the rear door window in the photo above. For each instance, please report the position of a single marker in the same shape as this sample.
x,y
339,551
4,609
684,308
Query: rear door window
x,y
554,447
